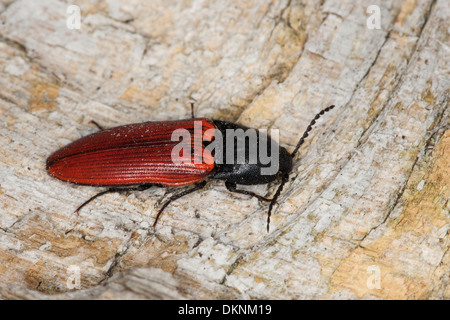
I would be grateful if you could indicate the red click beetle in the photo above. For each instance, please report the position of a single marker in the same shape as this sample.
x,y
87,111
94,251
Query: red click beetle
x,y
138,156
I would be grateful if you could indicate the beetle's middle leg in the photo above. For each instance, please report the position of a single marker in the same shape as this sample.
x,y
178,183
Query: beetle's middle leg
x,y
231,186
197,186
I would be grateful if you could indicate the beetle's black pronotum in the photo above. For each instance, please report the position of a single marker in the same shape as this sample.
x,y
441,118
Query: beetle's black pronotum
x,y
137,156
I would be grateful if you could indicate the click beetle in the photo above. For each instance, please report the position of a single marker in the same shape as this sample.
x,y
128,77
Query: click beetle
x,y
138,156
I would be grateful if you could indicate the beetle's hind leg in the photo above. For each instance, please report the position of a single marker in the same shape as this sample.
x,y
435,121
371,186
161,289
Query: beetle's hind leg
x,y
197,186
111,190
231,186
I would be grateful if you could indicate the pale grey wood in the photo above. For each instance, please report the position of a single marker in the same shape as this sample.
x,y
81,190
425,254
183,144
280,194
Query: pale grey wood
x,y
365,214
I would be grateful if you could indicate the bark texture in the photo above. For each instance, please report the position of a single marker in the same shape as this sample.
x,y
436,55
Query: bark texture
x,y
365,214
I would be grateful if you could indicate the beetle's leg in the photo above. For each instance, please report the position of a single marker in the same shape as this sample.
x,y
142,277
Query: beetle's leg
x,y
197,186
231,186
192,110
111,190
97,125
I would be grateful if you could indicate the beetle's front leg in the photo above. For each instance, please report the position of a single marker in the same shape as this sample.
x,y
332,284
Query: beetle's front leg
x,y
231,186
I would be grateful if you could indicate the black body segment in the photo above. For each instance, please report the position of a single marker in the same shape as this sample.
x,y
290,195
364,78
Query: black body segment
x,y
245,172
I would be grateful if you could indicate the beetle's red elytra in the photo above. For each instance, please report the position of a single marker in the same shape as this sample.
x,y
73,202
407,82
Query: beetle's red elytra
x,y
138,156
131,155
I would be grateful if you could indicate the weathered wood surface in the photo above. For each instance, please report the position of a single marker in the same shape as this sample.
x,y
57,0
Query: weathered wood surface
x,y
365,214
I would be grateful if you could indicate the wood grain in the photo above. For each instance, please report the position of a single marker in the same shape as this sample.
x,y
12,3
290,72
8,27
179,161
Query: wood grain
x,y
364,216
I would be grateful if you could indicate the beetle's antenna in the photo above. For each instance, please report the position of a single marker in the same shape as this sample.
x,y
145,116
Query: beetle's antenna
x,y
285,177
308,129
